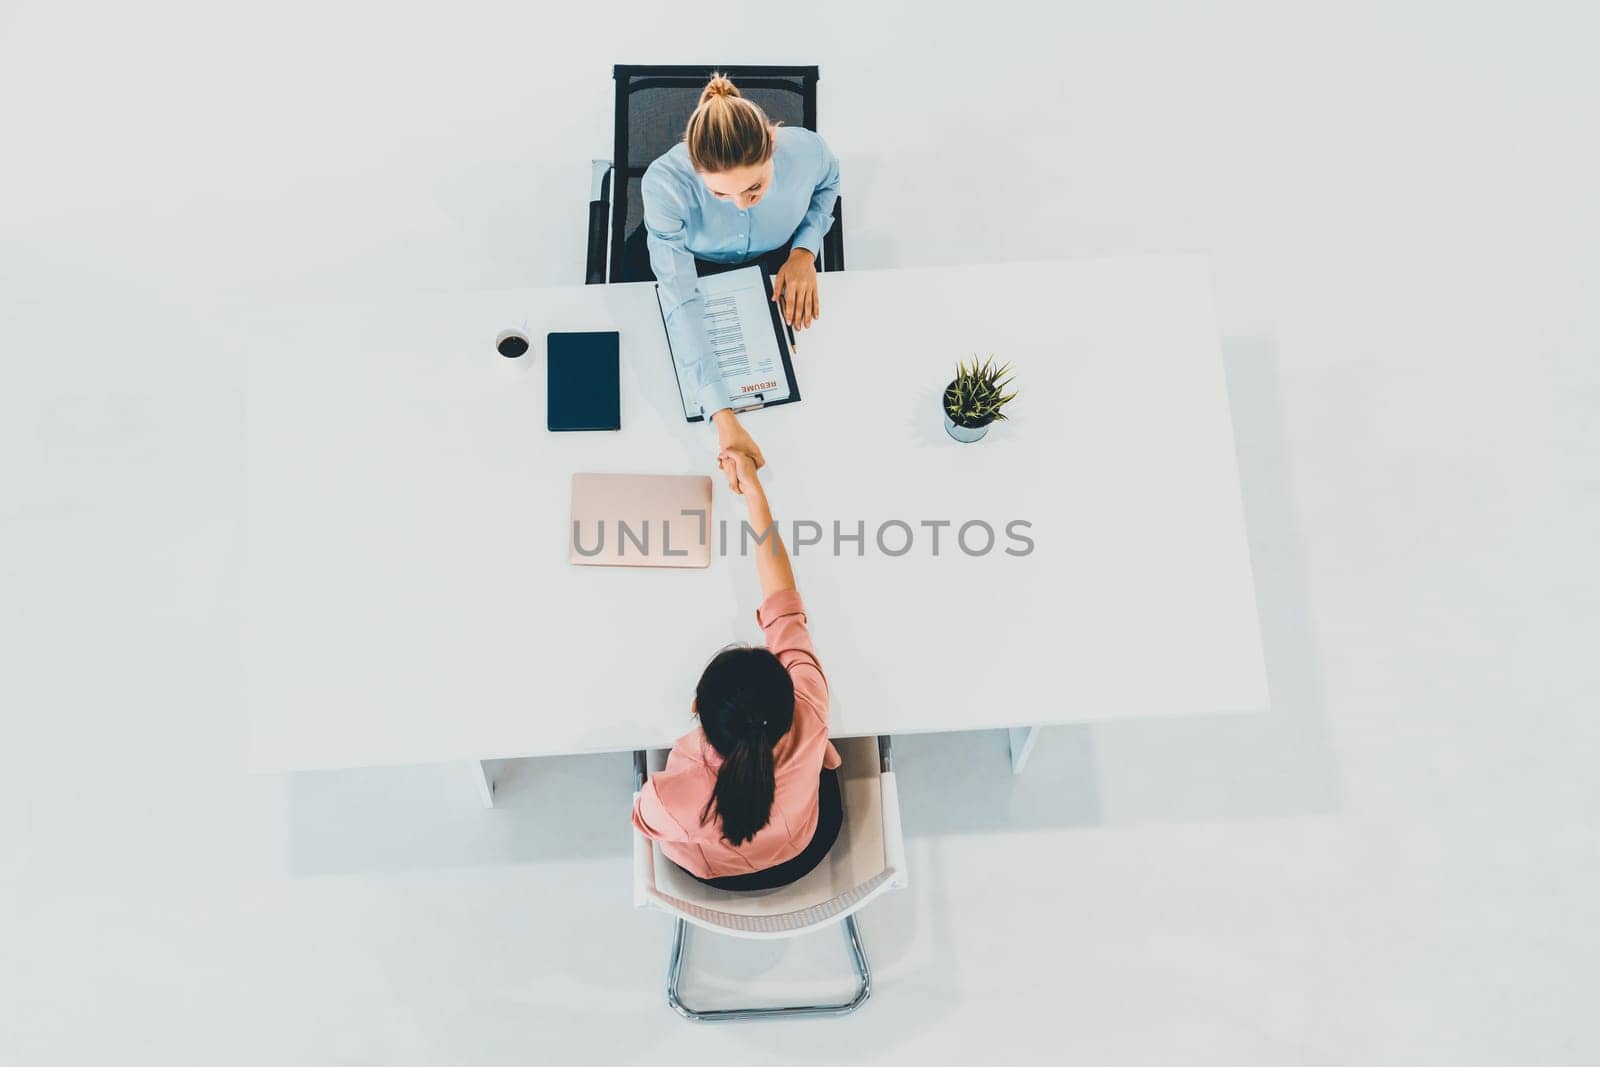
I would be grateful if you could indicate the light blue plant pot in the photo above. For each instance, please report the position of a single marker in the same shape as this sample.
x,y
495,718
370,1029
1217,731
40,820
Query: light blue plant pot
x,y
965,434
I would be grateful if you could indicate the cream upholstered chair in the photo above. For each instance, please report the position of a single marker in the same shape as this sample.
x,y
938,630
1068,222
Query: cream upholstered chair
x,y
865,862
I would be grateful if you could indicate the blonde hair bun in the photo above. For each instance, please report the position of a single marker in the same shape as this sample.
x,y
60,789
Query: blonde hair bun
x,y
719,85
727,132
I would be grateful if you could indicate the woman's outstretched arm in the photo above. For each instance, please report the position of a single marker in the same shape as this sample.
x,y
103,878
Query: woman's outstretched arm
x,y
772,559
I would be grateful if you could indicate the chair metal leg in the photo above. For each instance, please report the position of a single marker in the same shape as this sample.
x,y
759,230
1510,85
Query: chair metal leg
x,y
858,954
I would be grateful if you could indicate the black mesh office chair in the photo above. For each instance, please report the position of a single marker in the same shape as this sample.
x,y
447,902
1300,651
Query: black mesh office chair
x,y
653,106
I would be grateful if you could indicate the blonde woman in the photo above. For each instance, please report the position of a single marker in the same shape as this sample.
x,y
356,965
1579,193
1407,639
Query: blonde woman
x,y
737,190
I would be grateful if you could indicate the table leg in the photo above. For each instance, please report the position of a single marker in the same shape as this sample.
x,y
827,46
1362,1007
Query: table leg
x,y
483,781
1022,741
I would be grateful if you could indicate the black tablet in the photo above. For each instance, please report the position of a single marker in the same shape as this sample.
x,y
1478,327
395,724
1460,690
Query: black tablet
x,y
583,390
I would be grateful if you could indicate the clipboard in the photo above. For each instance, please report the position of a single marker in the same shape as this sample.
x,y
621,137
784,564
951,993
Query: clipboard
x,y
785,340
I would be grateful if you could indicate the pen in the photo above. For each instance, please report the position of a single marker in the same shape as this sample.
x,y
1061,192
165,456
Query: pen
x,y
794,346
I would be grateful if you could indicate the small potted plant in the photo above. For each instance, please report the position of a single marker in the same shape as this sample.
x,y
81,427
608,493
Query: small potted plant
x,y
975,398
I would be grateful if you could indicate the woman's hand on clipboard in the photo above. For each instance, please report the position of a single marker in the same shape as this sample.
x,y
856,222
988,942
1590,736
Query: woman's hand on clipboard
x,y
732,436
794,287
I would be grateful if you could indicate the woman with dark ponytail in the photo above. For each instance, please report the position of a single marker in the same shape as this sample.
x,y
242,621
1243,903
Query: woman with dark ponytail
x,y
750,799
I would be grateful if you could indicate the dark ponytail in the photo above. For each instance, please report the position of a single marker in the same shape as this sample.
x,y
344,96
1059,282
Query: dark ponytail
x,y
743,796
746,704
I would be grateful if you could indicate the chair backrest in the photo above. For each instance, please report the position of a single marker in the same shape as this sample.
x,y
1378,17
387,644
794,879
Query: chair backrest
x,y
653,107
867,861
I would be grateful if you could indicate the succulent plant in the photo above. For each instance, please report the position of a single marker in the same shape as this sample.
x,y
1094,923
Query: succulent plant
x,y
978,393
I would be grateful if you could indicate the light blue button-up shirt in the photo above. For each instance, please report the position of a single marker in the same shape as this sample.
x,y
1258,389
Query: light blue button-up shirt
x,y
683,220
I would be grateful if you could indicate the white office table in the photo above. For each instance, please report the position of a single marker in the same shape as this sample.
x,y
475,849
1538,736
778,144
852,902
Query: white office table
x,y
408,597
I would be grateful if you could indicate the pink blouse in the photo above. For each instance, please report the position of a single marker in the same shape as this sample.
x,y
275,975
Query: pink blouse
x,y
668,809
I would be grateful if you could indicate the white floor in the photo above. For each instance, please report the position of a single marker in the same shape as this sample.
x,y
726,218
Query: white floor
x,y
1398,865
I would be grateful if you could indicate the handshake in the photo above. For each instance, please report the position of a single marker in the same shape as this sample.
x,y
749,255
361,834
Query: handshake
x,y
738,455
740,467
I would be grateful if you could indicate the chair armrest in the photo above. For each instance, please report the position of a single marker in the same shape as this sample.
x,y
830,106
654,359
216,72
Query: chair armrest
x,y
599,221
833,240
644,868
644,852
894,841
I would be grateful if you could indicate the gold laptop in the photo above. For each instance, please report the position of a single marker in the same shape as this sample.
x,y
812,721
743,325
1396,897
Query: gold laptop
x,y
640,520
